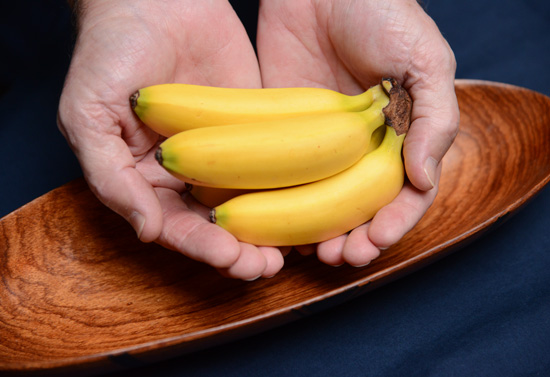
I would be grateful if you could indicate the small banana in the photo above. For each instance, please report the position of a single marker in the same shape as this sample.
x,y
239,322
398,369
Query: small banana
x,y
172,108
212,196
275,153
320,210
325,209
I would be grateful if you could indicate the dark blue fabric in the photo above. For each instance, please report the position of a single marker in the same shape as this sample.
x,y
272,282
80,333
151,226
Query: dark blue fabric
x,y
482,311
35,41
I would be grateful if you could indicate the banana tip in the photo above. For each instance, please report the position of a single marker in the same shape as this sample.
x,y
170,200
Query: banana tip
x,y
133,99
158,155
212,215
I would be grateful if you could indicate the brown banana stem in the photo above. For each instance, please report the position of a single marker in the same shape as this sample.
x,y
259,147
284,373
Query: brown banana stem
x,y
398,111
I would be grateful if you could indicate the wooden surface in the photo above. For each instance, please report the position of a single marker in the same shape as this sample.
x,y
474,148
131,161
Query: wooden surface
x,y
78,290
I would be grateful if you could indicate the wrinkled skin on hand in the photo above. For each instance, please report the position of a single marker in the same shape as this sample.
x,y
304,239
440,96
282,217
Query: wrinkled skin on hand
x,y
344,45
126,45
348,46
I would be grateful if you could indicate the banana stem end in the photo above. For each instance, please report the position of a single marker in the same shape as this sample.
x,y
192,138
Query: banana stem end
x,y
398,111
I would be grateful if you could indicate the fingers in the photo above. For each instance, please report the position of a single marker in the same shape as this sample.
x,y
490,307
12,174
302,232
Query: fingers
x,y
268,260
275,260
393,221
330,252
132,197
435,118
194,236
428,140
188,230
249,266
110,170
359,250
355,249
364,243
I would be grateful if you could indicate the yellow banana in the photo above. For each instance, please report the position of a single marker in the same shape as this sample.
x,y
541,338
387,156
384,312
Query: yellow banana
x,y
327,208
274,153
320,210
212,196
172,108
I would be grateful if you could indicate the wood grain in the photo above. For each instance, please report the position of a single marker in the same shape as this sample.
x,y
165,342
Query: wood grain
x,y
78,291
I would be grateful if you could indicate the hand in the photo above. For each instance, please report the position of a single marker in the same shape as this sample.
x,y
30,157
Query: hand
x,y
129,44
349,46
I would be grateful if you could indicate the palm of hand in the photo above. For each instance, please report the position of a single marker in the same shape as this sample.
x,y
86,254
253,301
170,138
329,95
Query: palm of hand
x,y
111,60
349,48
299,44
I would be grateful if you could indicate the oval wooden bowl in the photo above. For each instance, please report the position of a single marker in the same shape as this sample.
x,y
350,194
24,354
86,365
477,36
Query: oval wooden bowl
x,y
79,292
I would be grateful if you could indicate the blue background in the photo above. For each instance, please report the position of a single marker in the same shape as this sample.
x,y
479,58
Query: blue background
x,y
482,311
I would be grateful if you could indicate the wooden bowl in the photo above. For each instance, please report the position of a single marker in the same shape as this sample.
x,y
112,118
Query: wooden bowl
x,y
79,292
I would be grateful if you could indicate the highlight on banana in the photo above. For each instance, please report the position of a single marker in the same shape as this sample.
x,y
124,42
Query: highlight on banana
x,y
282,167
172,108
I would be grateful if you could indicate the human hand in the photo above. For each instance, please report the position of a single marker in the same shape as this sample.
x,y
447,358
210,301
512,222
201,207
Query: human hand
x,y
349,46
130,44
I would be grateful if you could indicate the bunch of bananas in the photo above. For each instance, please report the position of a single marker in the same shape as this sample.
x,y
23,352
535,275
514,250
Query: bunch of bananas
x,y
278,167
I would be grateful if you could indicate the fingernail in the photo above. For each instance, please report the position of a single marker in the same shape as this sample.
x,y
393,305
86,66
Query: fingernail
x,y
138,222
361,265
254,278
430,167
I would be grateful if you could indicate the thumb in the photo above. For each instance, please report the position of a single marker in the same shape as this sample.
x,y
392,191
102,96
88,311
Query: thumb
x,y
110,171
112,176
435,118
